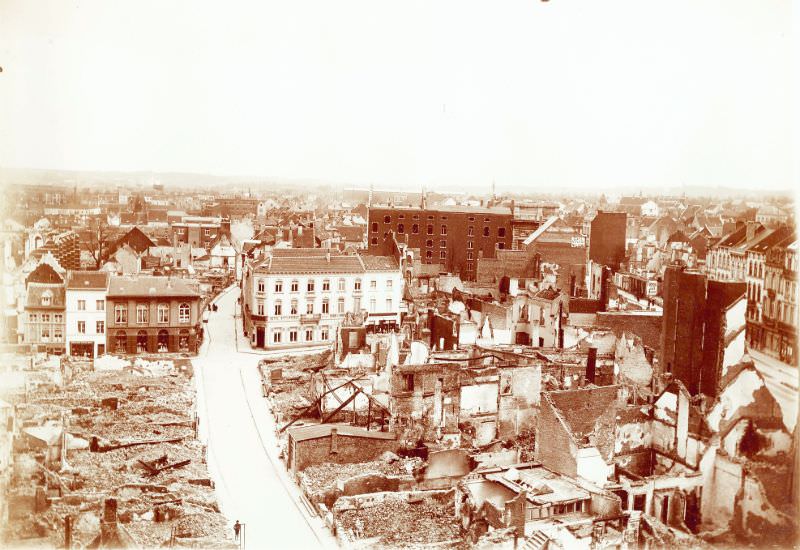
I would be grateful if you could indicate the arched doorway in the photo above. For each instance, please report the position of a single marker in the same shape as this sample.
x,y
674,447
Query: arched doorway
x,y
121,341
163,341
141,341
183,340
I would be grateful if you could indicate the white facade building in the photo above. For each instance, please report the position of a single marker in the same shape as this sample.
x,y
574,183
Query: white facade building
x,y
86,313
296,298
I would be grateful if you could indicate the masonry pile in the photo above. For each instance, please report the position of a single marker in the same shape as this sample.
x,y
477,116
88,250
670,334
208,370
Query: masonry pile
x,y
110,457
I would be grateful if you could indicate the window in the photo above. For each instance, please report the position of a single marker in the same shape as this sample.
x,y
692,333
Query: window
x,y
293,308
261,285
486,231
33,318
429,254
47,297
341,285
401,228
340,306
100,327
120,313
309,334
309,308
374,240
310,285
430,229
429,243
325,306
501,231
141,314
388,304
358,284
326,285
501,246
278,286
276,337
415,228
373,284
100,305
470,231
58,334
260,308
58,318
45,317
323,334
469,245
81,327
356,304
374,227
444,230
373,304
443,244
81,305
183,313
469,256
293,335
278,308
295,286
387,219
45,334
442,254
469,266
389,283
408,382
162,312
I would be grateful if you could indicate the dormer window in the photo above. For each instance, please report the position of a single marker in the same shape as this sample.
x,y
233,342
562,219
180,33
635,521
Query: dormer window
x,y
47,298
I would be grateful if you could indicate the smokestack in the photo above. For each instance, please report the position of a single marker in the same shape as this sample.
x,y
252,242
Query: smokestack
x,y
591,362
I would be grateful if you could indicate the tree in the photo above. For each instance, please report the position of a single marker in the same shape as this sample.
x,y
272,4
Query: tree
x,y
97,241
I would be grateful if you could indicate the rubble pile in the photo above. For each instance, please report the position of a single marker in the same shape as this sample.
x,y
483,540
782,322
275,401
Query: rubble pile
x,y
130,434
322,476
403,520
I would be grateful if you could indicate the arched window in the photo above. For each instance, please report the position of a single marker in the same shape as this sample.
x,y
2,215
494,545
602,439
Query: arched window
x,y
415,228
183,340
401,228
141,314
163,313
120,339
163,341
120,314
183,313
141,342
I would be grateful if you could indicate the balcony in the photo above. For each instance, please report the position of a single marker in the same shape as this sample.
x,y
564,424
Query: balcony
x,y
310,318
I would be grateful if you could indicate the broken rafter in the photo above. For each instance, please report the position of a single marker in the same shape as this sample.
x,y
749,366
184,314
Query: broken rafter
x,y
155,470
135,443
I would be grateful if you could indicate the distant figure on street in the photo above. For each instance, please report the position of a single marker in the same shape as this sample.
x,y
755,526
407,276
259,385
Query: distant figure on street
x,y
236,528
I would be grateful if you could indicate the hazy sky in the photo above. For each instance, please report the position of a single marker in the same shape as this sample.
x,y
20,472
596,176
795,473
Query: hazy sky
x,y
569,93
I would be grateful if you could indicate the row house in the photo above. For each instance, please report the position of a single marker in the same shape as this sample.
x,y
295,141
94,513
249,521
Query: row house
x,y
150,314
727,260
199,231
776,333
296,298
45,309
86,313
756,256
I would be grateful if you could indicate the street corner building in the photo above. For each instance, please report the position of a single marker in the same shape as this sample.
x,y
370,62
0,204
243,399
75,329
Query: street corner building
x,y
297,298
151,314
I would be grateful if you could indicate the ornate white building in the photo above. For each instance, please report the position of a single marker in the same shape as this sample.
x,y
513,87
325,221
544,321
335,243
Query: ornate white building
x,y
297,297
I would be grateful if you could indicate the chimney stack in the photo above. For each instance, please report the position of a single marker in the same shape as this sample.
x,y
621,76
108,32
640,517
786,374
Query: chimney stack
x,y
591,365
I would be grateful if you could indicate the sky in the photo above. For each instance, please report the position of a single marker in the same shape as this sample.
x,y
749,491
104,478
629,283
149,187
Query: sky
x,y
565,94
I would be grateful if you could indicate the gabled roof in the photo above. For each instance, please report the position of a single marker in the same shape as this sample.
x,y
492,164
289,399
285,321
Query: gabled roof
x,y
37,291
770,239
44,273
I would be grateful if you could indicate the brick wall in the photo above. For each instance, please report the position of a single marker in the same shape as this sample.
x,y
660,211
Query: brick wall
x,y
346,449
554,446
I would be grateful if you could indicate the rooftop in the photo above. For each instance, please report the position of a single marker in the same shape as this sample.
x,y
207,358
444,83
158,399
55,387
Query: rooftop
x,y
149,286
87,280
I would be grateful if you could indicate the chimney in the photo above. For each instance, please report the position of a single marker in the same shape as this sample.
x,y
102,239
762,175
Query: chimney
x,y
591,362
334,441
513,207
751,230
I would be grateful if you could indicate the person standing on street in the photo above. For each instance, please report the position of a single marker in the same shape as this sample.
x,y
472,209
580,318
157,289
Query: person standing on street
x,y
236,528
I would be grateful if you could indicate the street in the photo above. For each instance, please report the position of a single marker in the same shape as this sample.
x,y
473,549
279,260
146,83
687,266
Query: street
x,y
252,484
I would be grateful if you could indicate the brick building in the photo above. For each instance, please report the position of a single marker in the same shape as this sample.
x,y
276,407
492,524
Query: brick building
x,y
199,231
152,314
776,333
703,328
607,238
64,246
451,236
337,443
